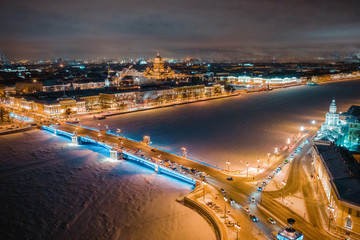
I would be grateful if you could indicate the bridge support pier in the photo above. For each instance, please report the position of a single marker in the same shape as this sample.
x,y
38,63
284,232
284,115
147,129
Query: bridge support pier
x,y
115,154
75,139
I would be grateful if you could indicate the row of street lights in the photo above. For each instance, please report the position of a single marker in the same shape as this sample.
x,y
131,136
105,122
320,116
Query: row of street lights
x,y
276,152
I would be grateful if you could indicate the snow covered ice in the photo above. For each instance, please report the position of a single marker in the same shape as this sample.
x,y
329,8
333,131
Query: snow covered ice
x,y
51,189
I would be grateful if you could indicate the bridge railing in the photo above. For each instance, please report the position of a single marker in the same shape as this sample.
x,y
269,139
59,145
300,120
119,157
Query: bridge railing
x,y
49,129
139,159
161,169
171,173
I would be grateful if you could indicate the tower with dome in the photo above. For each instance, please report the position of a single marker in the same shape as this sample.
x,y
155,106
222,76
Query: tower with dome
x,y
158,70
331,129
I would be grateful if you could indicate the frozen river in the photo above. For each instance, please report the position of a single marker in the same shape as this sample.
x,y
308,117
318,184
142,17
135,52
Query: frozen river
x,y
50,189
237,129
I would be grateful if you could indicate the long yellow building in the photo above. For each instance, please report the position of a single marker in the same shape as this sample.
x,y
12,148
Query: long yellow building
x,y
339,174
52,105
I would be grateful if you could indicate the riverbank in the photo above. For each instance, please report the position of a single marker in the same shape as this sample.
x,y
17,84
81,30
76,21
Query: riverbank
x,y
103,115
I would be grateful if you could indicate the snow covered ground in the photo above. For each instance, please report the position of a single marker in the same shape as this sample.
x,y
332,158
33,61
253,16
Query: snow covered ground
x,y
51,189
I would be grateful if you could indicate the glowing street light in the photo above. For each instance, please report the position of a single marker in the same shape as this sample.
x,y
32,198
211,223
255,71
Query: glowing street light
x,y
268,158
288,141
238,228
247,169
146,139
313,122
228,164
225,208
99,126
302,128
282,194
204,183
258,166
276,151
184,150
118,131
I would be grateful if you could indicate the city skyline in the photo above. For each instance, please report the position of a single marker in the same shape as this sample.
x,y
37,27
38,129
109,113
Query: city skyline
x,y
230,31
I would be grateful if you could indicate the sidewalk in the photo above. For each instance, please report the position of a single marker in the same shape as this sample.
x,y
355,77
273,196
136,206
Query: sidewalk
x,y
215,204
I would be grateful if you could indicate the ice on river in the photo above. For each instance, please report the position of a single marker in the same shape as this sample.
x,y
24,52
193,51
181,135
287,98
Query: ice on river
x,y
238,129
51,189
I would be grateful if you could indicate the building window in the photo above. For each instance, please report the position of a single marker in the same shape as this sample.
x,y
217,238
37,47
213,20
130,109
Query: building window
x,y
348,222
357,213
350,211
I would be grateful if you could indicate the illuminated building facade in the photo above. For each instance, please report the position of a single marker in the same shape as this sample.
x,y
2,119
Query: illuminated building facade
x,y
339,175
158,70
342,129
83,101
28,87
261,81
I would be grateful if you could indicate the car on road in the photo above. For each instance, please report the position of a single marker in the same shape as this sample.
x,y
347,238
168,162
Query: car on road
x,y
271,220
253,199
153,150
259,189
253,217
246,209
222,190
229,178
263,183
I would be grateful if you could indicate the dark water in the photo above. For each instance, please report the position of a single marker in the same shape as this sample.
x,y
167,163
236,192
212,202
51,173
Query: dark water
x,y
238,129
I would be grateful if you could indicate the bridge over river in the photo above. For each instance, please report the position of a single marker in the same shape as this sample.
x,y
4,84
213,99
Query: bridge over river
x,y
239,189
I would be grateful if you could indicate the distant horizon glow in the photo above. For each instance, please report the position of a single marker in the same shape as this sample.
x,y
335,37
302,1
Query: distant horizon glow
x,y
231,31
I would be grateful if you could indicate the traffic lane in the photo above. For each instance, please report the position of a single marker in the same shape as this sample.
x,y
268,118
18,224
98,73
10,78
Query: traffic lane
x,y
242,200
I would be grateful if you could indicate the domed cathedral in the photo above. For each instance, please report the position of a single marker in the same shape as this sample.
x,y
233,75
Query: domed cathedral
x,y
158,70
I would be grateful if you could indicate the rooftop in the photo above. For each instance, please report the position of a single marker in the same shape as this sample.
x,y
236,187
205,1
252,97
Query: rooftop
x,y
343,170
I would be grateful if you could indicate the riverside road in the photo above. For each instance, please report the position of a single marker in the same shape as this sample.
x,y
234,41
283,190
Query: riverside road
x,y
241,188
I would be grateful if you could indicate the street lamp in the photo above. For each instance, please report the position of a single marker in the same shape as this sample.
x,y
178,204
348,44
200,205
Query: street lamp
x,y
238,228
258,162
276,151
118,131
268,160
282,194
228,164
302,128
99,126
184,150
313,122
225,208
204,183
247,169
288,141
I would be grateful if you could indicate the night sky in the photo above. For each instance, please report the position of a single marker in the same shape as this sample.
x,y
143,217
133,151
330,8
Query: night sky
x,y
212,30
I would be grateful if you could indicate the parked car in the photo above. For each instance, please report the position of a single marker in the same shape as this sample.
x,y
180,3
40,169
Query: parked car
x,y
229,178
253,217
271,220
